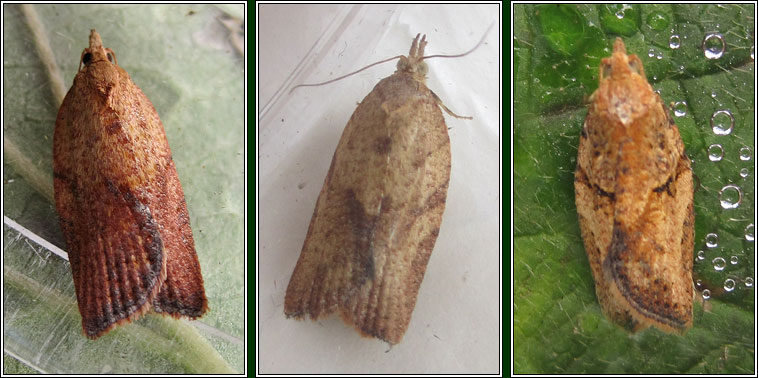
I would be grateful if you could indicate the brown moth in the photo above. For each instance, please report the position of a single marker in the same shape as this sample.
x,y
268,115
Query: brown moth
x,y
379,212
120,204
633,187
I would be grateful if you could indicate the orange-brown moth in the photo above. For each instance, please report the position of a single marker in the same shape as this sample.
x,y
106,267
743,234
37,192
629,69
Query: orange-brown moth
x,y
633,187
379,212
120,203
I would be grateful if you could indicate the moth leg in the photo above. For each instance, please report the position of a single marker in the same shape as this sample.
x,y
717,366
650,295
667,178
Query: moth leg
x,y
448,111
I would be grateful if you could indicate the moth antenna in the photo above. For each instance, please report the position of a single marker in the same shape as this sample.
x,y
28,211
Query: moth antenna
x,y
344,76
481,41
417,49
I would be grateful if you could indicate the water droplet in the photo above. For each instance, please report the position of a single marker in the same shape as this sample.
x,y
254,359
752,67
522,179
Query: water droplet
x,y
722,122
749,281
706,294
680,108
752,52
750,232
711,240
745,153
650,53
701,255
730,196
734,260
729,284
674,42
699,283
658,21
719,263
659,56
715,152
620,9
744,172
713,45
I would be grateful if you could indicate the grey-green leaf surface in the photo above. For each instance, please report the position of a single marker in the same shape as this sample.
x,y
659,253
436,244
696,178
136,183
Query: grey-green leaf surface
x,y
558,326
182,58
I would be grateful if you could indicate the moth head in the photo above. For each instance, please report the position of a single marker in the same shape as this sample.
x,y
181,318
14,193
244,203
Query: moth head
x,y
620,65
96,52
414,62
98,67
411,65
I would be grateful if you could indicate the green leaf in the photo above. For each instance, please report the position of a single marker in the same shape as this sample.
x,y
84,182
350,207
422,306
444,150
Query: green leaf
x,y
558,325
180,56
624,19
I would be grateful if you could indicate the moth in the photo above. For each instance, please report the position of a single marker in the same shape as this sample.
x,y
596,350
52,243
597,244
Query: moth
x,y
633,186
379,211
120,204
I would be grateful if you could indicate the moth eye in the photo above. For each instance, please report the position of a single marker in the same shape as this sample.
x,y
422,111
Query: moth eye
x,y
423,68
87,58
111,56
606,70
634,66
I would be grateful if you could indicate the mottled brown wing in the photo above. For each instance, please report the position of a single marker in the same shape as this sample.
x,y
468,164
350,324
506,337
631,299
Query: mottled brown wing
x,y
182,293
378,214
112,175
638,232
113,239
659,284
595,209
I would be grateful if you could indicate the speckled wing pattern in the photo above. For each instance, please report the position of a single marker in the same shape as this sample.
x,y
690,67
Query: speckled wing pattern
x,y
633,187
120,203
379,212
